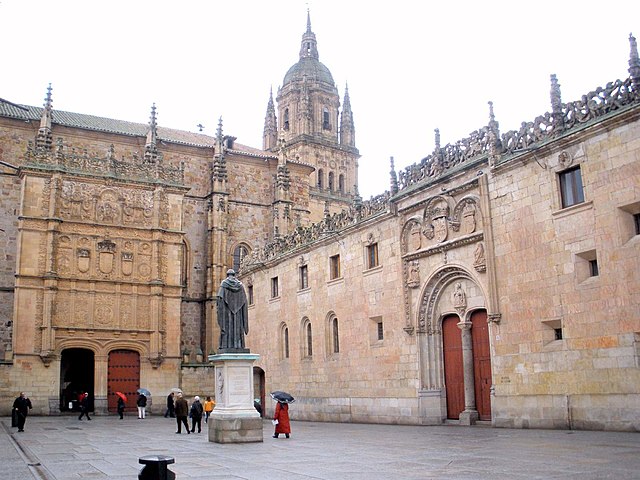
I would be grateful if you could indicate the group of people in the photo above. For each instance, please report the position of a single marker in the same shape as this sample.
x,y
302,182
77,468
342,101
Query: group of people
x,y
178,408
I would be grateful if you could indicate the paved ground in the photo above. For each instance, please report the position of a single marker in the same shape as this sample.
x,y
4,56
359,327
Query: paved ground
x,y
108,448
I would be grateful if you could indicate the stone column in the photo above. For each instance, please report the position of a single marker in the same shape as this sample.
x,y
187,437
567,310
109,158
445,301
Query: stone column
x,y
101,364
470,414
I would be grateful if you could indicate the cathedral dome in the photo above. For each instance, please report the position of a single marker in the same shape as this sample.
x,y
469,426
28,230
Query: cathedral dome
x,y
309,67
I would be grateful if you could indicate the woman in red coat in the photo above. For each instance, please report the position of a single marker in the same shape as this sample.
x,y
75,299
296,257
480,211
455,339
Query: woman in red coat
x,y
282,416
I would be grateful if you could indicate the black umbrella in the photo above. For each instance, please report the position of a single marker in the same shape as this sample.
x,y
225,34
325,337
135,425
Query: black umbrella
x,y
282,397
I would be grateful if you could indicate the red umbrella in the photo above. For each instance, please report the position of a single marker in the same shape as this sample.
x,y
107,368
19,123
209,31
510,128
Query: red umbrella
x,y
122,396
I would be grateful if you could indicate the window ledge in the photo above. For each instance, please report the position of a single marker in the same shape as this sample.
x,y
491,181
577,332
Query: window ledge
x,y
302,291
372,270
580,207
554,346
274,299
336,281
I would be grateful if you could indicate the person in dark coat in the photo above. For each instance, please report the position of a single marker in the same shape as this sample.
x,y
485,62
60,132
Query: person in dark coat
x,y
182,410
121,407
282,416
21,406
170,408
196,414
142,405
84,406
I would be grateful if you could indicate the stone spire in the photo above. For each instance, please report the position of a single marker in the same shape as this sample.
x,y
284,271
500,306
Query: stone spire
x,y
495,144
219,161
151,147
44,139
309,47
270,134
634,64
347,129
556,105
394,178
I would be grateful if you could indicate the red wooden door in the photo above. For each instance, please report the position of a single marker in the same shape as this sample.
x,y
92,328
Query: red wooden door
x,y
453,368
123,376
481,363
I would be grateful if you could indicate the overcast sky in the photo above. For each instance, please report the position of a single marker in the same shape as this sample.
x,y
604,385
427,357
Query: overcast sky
x,y
411,65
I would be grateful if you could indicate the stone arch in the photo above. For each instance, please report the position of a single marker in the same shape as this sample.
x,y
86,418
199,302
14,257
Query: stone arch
x,y
428,315
435,306
332,333
467,215
239,251
411,236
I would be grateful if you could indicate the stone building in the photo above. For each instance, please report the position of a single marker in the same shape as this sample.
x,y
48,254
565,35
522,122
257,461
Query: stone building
x,y
496,281
116,235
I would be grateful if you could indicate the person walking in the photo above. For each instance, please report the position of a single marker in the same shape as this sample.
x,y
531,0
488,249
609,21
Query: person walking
x,y
142,405
21,406
281,420
170,407
196,415
84,406
182,410
121,407
209,405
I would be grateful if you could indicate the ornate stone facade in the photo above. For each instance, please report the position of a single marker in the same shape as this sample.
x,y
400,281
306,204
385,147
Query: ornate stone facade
x,y
497,280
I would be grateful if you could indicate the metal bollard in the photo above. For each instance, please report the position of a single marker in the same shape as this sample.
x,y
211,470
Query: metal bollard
x,y
155,468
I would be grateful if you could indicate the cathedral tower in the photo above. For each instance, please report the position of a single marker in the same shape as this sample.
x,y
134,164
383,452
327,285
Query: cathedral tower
x,y
314,130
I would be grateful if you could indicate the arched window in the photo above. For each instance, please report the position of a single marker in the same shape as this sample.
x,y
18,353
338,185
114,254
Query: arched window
x,y
239,253
341,183
320,179
326,124
286,119
284,341
307,338
335,336
331,181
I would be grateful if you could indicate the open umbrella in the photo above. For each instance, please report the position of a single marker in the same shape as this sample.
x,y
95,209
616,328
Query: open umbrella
x,y
122,396
144,392
176,390
282,397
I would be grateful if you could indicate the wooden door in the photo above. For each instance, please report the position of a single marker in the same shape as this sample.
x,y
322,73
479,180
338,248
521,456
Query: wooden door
x,y
123,376
481,363
453,367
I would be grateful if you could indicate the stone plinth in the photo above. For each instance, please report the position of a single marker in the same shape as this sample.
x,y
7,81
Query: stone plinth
x,y
234,418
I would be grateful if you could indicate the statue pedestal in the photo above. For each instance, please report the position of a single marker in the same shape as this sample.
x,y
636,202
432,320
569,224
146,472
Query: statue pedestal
x,y
234,419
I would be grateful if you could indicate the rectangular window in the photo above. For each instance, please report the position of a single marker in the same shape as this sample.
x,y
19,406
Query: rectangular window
x,y
250,294
593,268
334,265
304,277
380,331
636,222
571,187
558,333
274,287
372,255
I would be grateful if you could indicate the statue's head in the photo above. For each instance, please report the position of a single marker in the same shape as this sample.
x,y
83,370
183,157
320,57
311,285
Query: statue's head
x,y
231,272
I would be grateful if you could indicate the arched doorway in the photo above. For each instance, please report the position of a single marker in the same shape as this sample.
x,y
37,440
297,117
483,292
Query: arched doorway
x,y
453,366
123,375
77,366
481,363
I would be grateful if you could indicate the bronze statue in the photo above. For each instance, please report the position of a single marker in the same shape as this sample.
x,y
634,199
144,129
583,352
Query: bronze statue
x,y
233,317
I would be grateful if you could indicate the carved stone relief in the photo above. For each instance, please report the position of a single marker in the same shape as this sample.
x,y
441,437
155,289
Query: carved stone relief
x,y
413,279
436,220
479,261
